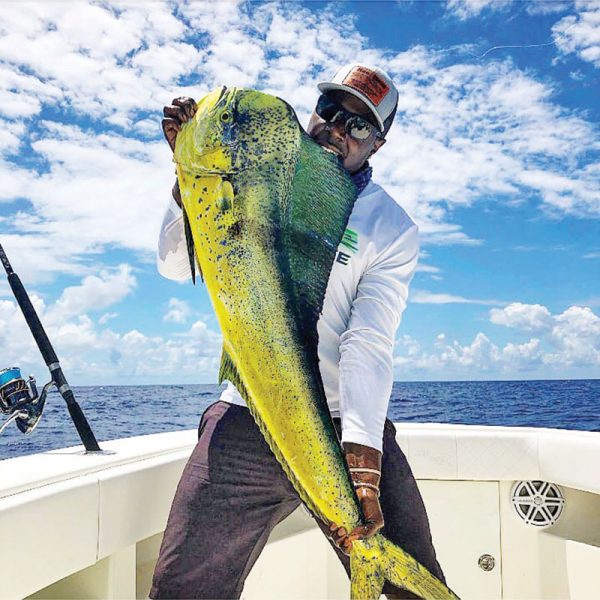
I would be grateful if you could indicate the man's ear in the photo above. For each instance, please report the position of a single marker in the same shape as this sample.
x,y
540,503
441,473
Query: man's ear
x,y
378,143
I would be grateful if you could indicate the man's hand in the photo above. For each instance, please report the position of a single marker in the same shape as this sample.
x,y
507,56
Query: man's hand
x,y
365,468
181,111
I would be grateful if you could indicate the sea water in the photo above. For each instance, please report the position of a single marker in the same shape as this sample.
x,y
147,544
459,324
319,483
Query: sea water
x,y
124,411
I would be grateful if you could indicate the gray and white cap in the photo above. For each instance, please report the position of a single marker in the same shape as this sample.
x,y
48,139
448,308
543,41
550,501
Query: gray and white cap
x,y
372,85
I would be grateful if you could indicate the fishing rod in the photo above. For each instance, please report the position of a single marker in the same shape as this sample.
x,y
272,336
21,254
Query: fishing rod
x,y
20,399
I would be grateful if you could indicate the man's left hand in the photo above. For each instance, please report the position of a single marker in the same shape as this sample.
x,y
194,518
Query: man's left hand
x,y
365,469
181,111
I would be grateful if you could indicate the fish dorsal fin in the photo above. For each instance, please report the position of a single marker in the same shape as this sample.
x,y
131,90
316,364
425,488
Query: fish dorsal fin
x,y
322,199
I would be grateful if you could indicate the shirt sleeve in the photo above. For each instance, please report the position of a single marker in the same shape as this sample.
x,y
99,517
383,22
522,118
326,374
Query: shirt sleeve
x,y
172,258
366,347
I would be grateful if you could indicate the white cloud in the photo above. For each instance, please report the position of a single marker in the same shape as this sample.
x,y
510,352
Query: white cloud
x,y
37,258
564,193
17,345
467,9
10,133
480,355
179,311
547,7
573,334
410,345
139,355
580,33
106,317
99,191
472,131
523,357
576,336
92,58
95,292
528,317
563,342
464,132
424,297
431,230
89,351
148,127
427,269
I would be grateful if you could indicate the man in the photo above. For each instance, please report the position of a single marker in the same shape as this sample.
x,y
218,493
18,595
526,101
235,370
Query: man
x,y
233,492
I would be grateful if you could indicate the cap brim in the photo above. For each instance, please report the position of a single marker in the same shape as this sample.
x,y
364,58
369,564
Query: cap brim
x,y
327,86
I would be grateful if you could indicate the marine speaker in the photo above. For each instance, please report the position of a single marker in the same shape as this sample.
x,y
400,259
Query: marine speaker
x,y
538,503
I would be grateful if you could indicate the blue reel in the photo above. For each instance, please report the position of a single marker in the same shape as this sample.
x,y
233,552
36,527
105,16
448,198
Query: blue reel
x,y
19,399
13,390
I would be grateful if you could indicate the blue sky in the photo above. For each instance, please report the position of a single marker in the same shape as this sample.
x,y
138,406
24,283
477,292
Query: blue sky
x,y
495,154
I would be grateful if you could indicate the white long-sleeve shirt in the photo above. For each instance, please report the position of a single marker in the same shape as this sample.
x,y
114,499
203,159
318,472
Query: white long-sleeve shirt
x,y
366,295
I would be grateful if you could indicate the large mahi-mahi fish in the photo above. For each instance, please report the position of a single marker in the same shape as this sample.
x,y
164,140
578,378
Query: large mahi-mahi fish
x,y
266,208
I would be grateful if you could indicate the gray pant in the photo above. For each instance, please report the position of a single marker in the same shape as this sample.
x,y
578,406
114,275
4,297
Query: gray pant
x,y
233,492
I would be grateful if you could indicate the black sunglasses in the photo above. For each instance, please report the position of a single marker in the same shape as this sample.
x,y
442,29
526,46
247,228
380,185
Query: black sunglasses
x,y
356,126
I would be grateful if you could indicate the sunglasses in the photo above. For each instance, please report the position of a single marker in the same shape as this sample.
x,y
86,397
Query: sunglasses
x,y
356,126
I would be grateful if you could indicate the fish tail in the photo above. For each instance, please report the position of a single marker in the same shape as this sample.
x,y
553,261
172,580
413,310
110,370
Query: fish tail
x,y
366,579
377,560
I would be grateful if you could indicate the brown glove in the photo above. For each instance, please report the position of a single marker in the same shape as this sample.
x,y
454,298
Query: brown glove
x,y
181,111
365,469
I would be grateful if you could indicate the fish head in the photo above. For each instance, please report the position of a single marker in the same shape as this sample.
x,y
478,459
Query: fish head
x,y
237,129
205,145
236,161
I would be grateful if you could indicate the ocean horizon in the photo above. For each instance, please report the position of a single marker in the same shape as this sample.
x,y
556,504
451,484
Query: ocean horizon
x,y
129,410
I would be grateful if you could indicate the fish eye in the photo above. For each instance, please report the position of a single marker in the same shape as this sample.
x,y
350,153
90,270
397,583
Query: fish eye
x,y
225,117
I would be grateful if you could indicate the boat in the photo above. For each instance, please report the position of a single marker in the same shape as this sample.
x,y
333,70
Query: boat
x,y
514,513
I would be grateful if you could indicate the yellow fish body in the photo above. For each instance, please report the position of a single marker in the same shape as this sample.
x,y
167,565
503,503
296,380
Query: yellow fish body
x,y
266,208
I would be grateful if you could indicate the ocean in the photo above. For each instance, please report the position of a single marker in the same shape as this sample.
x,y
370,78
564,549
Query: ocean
x,y
124,411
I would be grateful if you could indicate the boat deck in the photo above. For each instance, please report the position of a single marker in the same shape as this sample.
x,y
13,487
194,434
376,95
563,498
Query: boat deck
x,y
89,526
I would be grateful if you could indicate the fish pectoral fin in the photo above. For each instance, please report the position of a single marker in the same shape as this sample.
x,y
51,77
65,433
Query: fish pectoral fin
x,y
189,240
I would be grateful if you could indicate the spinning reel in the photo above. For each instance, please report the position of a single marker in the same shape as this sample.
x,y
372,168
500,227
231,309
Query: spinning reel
x,y
19,399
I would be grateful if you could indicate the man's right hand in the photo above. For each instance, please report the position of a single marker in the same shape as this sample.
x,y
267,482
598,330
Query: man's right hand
x,y
364,463
181,111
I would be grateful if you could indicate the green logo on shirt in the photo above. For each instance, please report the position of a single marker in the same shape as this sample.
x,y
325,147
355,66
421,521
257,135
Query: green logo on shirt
x,y
350,240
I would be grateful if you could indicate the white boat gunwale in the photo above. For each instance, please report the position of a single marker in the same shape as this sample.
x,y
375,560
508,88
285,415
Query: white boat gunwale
x,y
110,509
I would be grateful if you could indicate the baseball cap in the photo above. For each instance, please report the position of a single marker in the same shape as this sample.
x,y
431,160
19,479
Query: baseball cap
x,y
372,85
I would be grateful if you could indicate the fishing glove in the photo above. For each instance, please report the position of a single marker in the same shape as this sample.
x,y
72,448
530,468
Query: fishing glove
x,y
365,469
181,111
